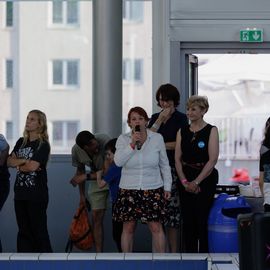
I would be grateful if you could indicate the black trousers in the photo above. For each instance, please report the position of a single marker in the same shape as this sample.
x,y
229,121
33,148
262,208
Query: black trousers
x,y
266,208
195,212
4,191
32,224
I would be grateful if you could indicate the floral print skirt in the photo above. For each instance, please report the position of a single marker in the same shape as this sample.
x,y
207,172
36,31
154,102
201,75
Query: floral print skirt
x,y
143,205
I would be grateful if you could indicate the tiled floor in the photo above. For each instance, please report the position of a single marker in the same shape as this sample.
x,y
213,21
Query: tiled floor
x,y
111,261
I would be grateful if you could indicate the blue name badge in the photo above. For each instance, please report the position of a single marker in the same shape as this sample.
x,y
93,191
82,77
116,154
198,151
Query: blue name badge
x,y
201,144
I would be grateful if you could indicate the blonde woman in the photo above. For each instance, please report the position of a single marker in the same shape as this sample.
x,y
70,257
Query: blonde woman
x,y
30,156
196,154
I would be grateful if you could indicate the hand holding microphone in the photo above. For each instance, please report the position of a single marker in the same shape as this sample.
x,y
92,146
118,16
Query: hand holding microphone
x,y
138,143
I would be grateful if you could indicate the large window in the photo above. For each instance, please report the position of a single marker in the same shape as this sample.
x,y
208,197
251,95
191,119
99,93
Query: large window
x,y
65,12
58,56
9,14
65,73
9,73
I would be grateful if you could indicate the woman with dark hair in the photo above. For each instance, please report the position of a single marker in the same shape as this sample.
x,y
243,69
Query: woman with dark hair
x,y
167,123
264,179
145,181
30,156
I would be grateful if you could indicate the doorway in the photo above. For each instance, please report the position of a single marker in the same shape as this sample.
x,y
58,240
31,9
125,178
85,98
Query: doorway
x,y
237,84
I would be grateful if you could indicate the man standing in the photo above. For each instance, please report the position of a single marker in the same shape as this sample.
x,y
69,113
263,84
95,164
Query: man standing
x,y
4,173
88,157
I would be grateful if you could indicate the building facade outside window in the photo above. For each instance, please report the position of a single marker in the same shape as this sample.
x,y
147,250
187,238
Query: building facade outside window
x,y
59,57
65,12
65,73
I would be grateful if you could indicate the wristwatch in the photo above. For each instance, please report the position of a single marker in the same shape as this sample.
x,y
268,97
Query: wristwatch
x,y
155,126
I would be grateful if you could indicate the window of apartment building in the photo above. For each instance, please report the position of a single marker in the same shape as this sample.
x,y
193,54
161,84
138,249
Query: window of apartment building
x,y
9,14
9,131
65,12
133,70
65,73
133,10
64,133
9,73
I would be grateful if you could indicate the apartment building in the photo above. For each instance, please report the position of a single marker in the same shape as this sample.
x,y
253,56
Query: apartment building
x,y
46,64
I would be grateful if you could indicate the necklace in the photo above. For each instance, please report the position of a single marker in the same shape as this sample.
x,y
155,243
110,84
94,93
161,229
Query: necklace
x,y
193,136
195,132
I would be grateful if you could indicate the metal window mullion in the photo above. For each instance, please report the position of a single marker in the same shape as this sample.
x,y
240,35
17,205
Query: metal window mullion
x,y
65,81
65,13
64,135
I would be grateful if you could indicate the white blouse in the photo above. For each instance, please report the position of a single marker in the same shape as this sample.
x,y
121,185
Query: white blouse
x,y
147,168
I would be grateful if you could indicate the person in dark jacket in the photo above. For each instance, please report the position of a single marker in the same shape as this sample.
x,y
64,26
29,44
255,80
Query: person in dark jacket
x,y
4,174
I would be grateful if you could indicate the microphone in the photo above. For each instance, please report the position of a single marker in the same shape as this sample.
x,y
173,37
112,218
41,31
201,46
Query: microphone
x,y
138,143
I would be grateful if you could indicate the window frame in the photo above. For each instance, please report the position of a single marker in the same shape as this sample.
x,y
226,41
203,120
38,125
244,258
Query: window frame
x,y
64,85
6,86
6,15
128,16
64,23
129,70
8,138
64,141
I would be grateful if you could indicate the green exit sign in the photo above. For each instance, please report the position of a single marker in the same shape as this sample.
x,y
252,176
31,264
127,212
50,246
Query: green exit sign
x,y
254,35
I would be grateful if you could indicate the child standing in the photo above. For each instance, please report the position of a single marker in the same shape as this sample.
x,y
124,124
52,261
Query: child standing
x,y
111,176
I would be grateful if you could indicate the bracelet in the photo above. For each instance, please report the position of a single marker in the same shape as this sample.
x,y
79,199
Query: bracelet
x,y
184,181
196,182
156,126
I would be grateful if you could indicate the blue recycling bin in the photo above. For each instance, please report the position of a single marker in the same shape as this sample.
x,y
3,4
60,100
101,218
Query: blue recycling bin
x,y
222,223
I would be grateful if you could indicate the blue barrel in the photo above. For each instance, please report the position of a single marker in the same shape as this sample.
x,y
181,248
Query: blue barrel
x,y
222,223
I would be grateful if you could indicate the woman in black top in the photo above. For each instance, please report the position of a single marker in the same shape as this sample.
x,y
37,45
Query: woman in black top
x,y
30,156
167,123
4,173
196,153
264,179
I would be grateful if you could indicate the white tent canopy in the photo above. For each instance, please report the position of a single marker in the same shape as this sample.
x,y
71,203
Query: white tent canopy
x,y
231,69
